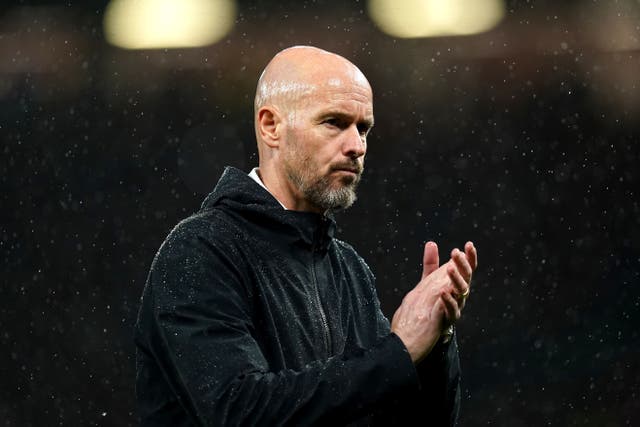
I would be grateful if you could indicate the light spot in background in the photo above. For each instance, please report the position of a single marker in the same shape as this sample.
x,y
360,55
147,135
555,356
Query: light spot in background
x,y
159,24
431,18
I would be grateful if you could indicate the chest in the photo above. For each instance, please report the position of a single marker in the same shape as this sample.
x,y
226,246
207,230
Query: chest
x,y
311,305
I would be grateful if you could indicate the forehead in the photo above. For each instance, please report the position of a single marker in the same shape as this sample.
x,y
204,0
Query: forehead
x,y
335,93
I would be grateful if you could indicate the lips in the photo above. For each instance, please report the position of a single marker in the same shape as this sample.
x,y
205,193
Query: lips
x,y
348,168
354,171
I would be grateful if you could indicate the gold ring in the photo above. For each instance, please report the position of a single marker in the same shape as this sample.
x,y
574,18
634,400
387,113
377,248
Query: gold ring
x,y
466,293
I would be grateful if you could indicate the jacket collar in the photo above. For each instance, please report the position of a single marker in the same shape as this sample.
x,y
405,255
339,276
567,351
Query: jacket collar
x,y
238,192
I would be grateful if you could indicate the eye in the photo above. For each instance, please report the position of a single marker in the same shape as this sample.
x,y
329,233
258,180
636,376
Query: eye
x,y
364,129
332,121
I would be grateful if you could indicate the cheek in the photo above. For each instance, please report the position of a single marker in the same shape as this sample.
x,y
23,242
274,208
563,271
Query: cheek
x,y
313,148
299,138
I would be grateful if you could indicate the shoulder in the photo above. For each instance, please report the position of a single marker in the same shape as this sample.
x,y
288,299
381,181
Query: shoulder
x,y
212,226
201,255
202,236
346,248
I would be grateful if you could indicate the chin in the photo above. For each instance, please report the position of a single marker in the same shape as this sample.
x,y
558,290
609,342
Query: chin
x,y
348,179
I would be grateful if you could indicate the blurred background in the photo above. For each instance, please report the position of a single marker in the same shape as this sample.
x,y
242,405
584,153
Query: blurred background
x,y
514,124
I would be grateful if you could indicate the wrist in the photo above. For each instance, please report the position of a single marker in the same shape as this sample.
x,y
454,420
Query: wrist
x,y
447,334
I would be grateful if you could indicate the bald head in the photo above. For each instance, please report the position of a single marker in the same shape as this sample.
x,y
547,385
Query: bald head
x,y
299,71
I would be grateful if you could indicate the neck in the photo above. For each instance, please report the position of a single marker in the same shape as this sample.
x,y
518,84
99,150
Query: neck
x,y
281,187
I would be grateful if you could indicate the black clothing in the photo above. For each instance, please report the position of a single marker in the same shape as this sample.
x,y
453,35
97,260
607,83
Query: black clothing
x,y
253,314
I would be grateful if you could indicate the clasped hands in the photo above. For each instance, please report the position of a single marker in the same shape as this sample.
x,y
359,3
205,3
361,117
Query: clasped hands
x,y
437,300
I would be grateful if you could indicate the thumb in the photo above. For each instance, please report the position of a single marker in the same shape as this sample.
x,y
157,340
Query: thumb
x,y
430,259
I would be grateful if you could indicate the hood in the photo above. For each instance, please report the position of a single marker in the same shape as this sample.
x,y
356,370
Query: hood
x,y
237,193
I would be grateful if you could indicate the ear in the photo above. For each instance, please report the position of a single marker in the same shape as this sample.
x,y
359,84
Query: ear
x,y
269,125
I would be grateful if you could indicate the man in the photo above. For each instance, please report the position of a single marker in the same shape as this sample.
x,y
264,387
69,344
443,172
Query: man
x,y
254,314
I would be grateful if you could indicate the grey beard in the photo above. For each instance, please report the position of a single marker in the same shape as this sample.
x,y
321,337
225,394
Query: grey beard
x,y
320,194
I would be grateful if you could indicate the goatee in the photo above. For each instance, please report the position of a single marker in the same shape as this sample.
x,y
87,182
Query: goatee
x,y
319,192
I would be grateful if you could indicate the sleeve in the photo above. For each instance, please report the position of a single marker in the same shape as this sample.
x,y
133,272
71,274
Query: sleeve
x,y
436,402
439,375
201,337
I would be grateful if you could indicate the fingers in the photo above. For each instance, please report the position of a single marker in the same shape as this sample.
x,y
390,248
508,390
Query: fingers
x,y
461,261
460,286
430,259
472,255
451,308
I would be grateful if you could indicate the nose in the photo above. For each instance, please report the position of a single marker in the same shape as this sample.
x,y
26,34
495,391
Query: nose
x,y
355,144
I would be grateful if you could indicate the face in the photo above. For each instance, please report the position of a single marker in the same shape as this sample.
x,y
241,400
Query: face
x,y
326,140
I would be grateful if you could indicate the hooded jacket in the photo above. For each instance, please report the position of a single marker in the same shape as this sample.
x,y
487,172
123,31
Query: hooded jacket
x,y
256,315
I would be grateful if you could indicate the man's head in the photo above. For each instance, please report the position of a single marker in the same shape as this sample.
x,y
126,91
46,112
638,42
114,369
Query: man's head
x,y
313,111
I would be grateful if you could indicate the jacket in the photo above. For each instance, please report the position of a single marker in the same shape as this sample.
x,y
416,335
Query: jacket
x,y
256,315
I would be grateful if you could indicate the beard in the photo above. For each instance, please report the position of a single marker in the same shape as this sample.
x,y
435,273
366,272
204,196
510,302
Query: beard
x,y
319,191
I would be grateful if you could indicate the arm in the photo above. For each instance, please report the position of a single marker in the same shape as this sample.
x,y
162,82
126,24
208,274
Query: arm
x,y
439,375
199,327
434,304
437,400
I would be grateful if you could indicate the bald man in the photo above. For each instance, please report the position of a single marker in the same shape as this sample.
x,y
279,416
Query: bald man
x,y
255,314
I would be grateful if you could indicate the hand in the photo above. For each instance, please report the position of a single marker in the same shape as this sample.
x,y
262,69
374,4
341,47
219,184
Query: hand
x,y
459,269
436,301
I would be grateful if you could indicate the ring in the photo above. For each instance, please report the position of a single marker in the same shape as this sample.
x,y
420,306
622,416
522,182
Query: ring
x,y
465,294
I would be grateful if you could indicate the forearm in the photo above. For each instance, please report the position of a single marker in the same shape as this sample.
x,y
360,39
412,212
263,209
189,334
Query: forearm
x,y
437,400
439,375
337,391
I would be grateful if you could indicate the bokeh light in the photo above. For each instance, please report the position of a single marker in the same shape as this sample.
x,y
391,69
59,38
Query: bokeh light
x,y
430,18
158,24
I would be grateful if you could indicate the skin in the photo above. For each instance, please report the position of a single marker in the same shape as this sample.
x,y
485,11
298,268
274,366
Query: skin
x,y
436,301
313,112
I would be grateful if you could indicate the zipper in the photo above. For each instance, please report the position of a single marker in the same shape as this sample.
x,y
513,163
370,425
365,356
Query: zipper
x,y
323,316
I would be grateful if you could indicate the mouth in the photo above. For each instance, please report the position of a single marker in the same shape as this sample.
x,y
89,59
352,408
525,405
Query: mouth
x,y
347,175
349,169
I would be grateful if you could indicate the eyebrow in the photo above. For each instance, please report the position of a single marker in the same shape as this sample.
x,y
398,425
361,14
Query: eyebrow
x,y
338,114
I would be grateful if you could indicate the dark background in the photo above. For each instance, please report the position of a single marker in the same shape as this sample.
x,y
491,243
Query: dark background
x,y
524,139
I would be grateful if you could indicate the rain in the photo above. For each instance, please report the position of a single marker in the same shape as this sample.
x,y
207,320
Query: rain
x,y
523,137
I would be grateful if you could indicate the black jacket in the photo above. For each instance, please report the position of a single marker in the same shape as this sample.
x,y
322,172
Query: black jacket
x,y
255,315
